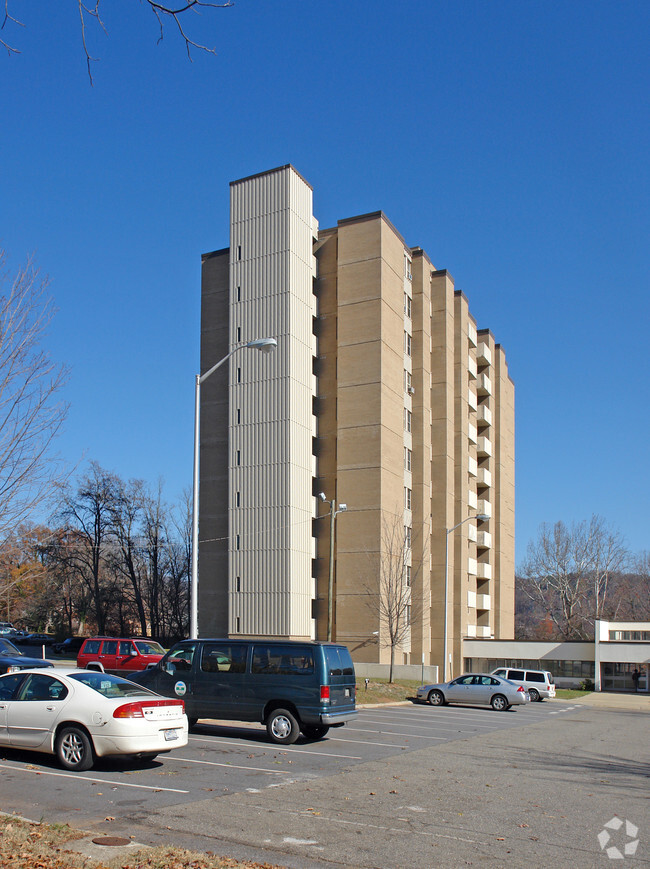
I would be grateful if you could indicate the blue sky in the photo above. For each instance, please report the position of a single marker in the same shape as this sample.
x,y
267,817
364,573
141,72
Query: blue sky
x,y
510,140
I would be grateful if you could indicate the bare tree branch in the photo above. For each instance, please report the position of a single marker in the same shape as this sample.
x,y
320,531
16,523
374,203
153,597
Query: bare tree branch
x,y
163,12
31,413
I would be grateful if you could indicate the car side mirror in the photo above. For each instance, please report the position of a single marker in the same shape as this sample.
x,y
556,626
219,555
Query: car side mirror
x,y
170,668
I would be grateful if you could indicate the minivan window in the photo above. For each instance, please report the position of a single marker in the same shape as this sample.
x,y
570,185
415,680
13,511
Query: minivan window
x,y
535,677
182,657
518,675
223,658
283,660
339,661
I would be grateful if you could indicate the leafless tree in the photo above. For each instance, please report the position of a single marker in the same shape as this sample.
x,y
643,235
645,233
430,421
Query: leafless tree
x,y
126,514
88,554
568,571
31,409
388,594
174,14
608,557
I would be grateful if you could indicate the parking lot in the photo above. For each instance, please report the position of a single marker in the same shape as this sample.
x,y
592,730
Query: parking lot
x,y
223,759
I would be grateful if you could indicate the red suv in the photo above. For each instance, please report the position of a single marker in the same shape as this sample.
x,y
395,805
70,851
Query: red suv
x,y
117,655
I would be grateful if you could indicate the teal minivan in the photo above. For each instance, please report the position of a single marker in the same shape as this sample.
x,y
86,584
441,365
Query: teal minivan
x,y
290,686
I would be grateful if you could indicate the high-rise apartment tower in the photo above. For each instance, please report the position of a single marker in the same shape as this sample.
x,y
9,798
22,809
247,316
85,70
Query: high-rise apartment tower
x,y
383,395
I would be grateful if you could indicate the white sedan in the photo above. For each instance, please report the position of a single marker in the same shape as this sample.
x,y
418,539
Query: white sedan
x,y
81,715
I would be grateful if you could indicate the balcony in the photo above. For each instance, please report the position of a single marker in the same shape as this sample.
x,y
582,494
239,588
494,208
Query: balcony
x,y
471,599
484,570
471,367
471,630
482,601
484,414
471,566
484,446
484,539
484,477
483,354
484,507
472,434
472,533
471,334
484,631
472,400
483,385
472,500
472,467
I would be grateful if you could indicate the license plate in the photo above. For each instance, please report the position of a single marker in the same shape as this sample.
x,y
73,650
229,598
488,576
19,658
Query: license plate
x,y
170,734
347,692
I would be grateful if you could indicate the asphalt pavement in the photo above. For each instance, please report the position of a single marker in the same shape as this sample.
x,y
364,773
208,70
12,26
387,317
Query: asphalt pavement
x,y
406,787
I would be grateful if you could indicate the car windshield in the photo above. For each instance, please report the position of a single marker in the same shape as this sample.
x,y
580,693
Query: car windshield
x,y
149,647
111,686
7,648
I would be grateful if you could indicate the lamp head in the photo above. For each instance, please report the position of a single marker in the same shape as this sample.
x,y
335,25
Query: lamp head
x,y
322,496
481,517
266,345
343,508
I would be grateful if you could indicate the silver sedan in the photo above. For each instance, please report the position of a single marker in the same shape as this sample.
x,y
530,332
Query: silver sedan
x,y
475,689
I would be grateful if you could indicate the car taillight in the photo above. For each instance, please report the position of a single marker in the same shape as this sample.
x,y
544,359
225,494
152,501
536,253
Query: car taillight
x,y
523,690
129,710
136,710
324,693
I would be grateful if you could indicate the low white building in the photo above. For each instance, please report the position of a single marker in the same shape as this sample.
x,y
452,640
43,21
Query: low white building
x,y
610,660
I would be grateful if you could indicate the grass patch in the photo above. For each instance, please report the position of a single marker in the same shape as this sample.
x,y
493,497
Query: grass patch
x,y
570,693
382,691
26,845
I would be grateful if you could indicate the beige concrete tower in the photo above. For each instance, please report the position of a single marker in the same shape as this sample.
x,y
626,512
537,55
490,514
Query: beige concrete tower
x,y
383,396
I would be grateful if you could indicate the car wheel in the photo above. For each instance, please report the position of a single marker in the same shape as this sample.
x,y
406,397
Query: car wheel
x,y
148,755
74,749
436,698
315,731
534,695
499,703
282,727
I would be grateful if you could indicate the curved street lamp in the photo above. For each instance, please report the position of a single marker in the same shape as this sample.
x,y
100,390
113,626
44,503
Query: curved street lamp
x,y
264,345
480,517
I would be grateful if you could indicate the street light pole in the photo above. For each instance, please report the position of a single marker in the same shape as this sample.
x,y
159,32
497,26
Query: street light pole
x,y
265,345
480,517
330,583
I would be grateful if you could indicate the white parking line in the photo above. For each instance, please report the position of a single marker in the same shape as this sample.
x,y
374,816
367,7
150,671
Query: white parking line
x,y
229,765
306,750
365,742
392,733
102,781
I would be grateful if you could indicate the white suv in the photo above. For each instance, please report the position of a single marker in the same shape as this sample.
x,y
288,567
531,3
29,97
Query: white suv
x,y
538,683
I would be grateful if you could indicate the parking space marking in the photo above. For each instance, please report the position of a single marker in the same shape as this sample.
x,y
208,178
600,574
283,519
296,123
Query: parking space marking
x,y
102,781
365,742
229,765
247,745
394,733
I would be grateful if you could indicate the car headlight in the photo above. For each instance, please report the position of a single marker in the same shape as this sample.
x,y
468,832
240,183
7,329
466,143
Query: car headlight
x,y
14,668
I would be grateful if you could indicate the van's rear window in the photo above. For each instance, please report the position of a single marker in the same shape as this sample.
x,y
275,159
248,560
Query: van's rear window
x,y
283,660
339,661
